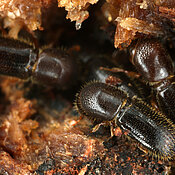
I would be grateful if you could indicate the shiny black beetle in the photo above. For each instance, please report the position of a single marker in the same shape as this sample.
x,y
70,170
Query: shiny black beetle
x,y
110,105
156,67
51,66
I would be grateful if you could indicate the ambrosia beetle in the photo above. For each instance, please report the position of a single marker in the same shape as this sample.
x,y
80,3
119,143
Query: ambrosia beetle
x,y
50,66
155,65
112,106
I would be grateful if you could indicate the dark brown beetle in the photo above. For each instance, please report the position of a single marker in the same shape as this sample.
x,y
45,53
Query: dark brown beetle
x,y
50,66
155,65
113,106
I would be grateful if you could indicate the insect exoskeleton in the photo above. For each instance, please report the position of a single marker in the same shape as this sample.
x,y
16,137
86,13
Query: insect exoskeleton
x,y
52,66
155,65
151,128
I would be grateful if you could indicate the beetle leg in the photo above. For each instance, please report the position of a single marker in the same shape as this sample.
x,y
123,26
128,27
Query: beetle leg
x,y
116,69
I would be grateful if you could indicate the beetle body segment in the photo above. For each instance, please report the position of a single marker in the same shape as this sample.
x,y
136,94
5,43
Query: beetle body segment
x,y
50,66
149,127
143,123
99,101
55,67
15,57
156,66
152,61
165,95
